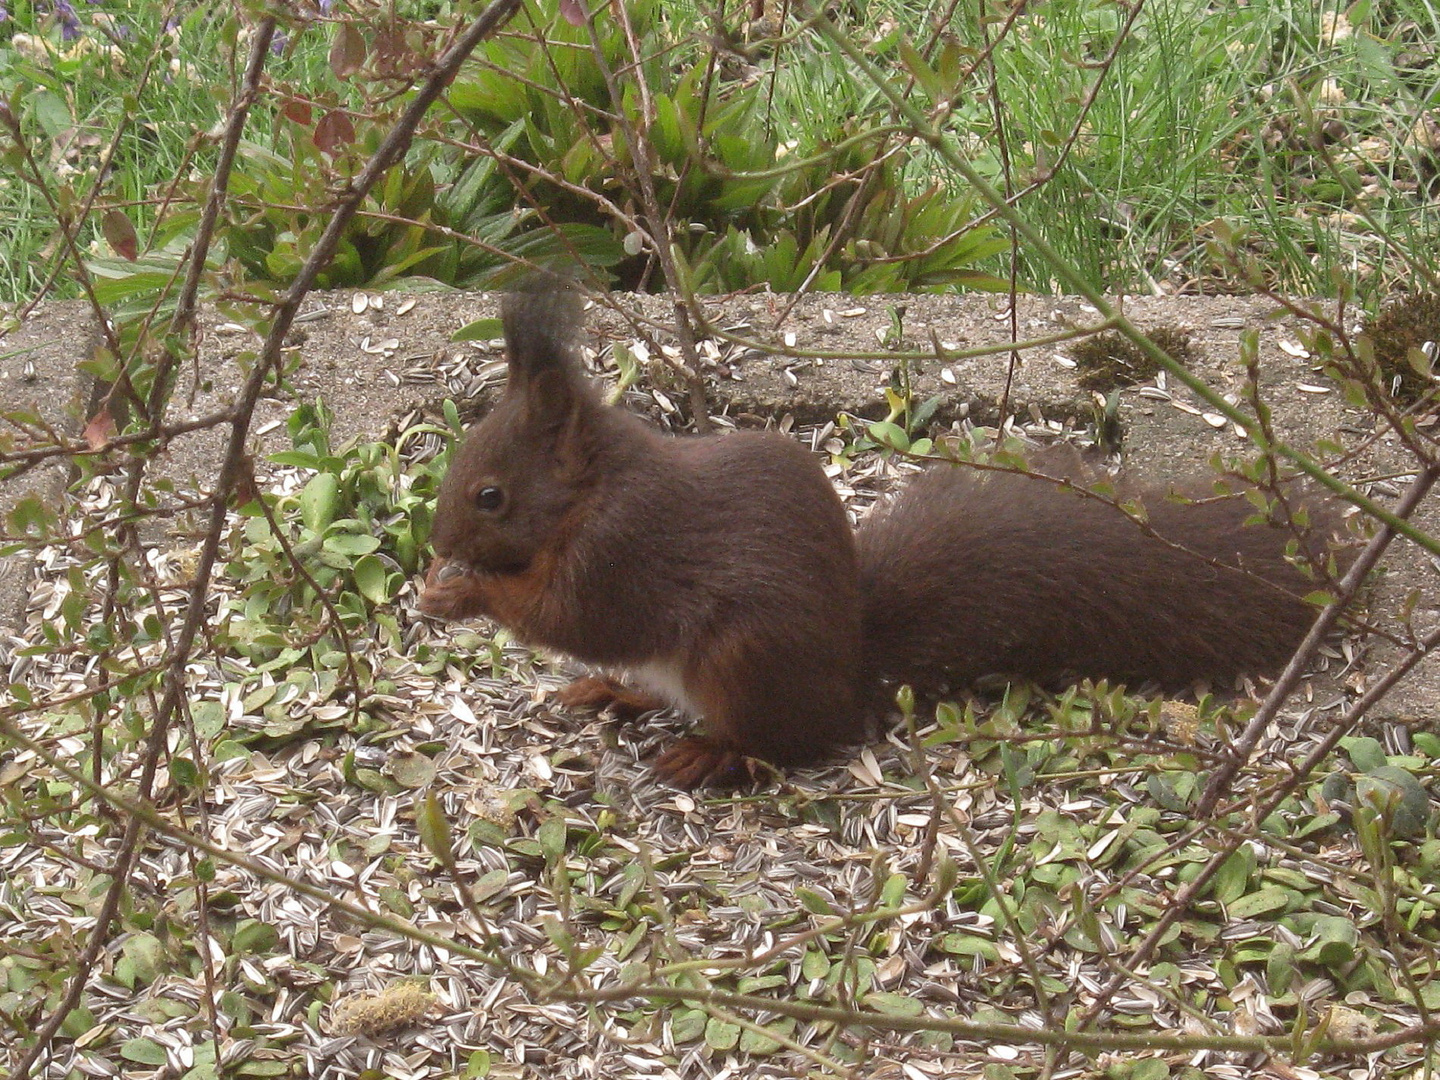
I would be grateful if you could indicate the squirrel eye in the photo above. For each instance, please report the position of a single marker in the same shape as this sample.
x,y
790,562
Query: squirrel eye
x,y
489,498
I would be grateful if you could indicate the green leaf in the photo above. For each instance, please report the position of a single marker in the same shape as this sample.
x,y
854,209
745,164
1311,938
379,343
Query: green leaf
x,y
969,945
434,829
894,891
143,1052
1164,794
754,984
895,1004
814,902
301,459
78,1021
351,544
1392,791
320,501
1427,742
558,934
1365,752
371,580
1335,943
889,435
1149,1069
916,65
491,883
721,1036
1280,967
815,965
253,936
411,770
551,837
687,1025
480,330
1262,902
184,772
146,956
1234,875
50,111
754,1042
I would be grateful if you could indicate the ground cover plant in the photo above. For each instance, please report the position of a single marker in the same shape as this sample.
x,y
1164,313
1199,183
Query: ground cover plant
x,y
259,818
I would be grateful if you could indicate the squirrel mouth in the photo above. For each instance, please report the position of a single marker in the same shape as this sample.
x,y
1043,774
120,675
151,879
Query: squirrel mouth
x,y
450,589
449,571
457,590
443,572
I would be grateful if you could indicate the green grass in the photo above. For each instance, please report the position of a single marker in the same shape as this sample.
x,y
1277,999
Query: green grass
x,y
1205,113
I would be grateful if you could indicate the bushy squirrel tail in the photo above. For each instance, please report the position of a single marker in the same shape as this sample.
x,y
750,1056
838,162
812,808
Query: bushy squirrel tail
x,y
968,573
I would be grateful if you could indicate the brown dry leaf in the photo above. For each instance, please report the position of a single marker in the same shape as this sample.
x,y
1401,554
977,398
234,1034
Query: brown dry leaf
x,y
334,131
347,51
120,234
298,112
101,429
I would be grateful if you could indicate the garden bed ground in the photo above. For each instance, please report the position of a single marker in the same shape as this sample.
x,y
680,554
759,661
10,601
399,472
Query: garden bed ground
x,y
556,821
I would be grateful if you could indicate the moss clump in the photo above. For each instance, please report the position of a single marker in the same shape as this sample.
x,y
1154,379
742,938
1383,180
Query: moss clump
x,y
1110,360
400,1004
1400,334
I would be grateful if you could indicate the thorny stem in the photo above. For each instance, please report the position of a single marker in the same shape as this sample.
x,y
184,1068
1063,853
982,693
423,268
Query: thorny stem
x,y
174,695
927,131
1239,752
126,532
657,225
389,152
1082,1041
183,320
1003,145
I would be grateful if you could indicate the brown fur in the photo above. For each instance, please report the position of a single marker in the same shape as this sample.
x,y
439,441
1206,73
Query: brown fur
x,y
628,549
602,692
1056,584
722,573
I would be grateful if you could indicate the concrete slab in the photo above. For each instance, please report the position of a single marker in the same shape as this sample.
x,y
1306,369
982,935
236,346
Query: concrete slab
x,y
39,376
374,358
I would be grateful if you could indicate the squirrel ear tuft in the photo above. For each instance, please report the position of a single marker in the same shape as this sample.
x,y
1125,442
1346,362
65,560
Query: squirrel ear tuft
x,y
541,324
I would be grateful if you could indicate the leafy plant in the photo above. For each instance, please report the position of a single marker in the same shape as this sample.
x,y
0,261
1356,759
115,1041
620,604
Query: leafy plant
x,y
746,206
357,527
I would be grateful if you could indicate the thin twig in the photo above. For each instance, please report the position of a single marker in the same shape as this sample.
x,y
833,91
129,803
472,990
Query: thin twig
x,y
1238,753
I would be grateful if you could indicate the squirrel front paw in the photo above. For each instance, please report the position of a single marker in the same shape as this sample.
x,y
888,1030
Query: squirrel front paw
x,y
452,592
697,762
598,692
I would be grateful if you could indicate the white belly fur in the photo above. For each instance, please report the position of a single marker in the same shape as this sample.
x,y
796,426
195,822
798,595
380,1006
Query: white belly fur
x,y
663,679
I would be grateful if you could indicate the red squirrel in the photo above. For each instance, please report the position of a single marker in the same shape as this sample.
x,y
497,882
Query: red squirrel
x,y
720,572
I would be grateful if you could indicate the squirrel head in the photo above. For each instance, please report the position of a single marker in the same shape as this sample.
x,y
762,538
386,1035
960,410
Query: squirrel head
x,y
520,471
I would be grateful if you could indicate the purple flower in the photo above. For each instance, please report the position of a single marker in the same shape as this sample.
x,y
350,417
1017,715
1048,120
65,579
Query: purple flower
x,y
278,42
69,21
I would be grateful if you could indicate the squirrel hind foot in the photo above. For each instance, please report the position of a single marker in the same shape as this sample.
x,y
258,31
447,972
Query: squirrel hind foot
x,y
699,762
597,692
